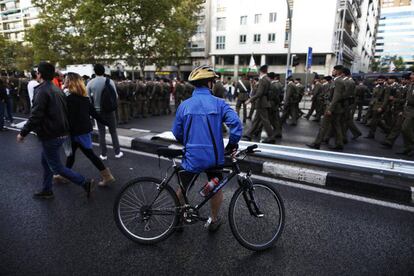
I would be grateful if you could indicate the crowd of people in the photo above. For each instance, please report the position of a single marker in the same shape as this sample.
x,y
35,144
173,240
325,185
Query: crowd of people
x,y
335,100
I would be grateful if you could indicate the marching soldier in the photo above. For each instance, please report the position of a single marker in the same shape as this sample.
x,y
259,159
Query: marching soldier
x,y
122,89
290,108
149,90
398,111
392,88
349,107
253,84
276,89
132,99
156,97
361,91
141,99
379,103
408,124
165,94
333,113
316,100
188,91
179,93
300,88
243,90
260,99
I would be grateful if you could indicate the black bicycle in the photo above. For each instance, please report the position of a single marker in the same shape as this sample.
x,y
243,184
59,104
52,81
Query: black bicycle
x,y
147,210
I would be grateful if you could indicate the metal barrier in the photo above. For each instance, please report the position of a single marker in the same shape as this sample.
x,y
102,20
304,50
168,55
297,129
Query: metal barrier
x,y
336,160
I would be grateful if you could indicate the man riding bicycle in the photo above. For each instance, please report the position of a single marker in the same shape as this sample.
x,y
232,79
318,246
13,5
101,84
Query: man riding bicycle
x,y
198,126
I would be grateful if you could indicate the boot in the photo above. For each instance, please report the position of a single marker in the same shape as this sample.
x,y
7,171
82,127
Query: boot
x,y
107,178
58,179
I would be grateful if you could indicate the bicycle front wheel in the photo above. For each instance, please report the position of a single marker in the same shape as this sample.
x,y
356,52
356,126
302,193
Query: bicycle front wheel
x,y
256,216
144,213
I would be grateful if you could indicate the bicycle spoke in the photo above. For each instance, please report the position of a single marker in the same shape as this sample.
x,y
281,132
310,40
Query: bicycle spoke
x,y
159,218
251,229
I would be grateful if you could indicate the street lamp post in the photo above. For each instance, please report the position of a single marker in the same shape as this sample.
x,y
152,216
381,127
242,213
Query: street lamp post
x,y
288,62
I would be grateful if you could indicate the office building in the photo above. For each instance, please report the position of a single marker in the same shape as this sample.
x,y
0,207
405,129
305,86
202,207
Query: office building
x,y
396,34
339,32
15,17
394,3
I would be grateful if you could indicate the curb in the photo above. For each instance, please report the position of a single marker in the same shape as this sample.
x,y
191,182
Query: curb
x,y
353,183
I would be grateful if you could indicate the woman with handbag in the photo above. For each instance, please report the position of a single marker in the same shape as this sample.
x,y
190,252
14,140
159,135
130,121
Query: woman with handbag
x,y
80,109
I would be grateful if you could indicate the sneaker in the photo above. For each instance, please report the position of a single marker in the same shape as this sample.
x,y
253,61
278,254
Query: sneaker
x,y
119,155
43,195
214,225
13,125
89,186
103,157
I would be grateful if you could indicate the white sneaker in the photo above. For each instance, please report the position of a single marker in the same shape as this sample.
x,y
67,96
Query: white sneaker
x,y
119,155
103,157
13,125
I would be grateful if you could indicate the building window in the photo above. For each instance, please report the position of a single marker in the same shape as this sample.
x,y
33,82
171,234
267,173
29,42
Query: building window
x,y
221,23
257,18
271,37
243,20
272,17
256,38
220,42
243,39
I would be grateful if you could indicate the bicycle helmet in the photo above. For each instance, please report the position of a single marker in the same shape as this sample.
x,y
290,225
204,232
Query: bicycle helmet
x,y
201,73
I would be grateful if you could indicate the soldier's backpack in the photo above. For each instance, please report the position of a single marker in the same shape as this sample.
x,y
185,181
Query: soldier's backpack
x,y
108,98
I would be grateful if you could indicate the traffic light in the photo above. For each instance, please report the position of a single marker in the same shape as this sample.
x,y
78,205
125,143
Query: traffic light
x,y
295,60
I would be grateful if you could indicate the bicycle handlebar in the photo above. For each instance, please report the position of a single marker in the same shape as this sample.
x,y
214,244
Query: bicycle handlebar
x,y
249,149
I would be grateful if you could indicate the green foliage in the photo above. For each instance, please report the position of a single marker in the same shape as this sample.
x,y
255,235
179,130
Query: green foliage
x,y
375,66
15,56
399,64
138,31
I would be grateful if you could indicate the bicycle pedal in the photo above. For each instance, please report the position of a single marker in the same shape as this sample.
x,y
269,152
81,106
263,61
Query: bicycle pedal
x,y
208,222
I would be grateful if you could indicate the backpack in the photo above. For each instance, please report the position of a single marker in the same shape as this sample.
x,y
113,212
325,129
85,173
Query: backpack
x,y
108,98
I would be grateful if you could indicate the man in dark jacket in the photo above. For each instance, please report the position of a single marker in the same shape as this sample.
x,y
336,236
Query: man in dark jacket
x,y
260,100
49,121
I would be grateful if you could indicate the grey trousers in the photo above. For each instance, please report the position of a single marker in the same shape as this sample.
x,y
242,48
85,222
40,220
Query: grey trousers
x,y
111,119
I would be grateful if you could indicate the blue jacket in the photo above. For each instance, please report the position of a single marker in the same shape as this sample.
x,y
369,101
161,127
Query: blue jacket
x,y
198,126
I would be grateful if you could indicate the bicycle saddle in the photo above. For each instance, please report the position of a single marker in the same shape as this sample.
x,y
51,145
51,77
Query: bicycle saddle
x,y
169,153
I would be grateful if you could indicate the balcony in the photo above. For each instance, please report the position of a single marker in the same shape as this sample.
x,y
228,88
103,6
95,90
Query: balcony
x,y
349,39
348,53
350,12
5,1
357,4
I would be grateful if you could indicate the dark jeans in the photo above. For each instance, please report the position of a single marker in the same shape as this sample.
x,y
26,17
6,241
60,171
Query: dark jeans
x,y
111,119
88,153
52,164
9,108
2,107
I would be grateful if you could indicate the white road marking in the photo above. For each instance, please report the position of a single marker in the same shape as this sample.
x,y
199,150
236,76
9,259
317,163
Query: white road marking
x,y
338,194
20,118
141,130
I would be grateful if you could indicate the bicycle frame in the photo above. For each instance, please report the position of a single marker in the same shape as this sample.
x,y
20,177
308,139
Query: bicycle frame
x,y
235,170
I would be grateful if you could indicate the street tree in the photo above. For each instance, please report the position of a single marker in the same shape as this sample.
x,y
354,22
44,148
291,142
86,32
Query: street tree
x,y
174,40
69,31
398,63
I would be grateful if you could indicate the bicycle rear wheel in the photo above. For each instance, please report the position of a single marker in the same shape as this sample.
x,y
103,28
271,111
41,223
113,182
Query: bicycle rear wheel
x,y
256,229
145,214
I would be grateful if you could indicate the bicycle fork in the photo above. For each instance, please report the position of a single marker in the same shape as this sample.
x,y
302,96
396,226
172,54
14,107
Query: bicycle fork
x,y
248,195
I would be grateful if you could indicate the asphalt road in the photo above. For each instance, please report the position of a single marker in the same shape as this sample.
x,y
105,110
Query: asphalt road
x,y
295,136
70,235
